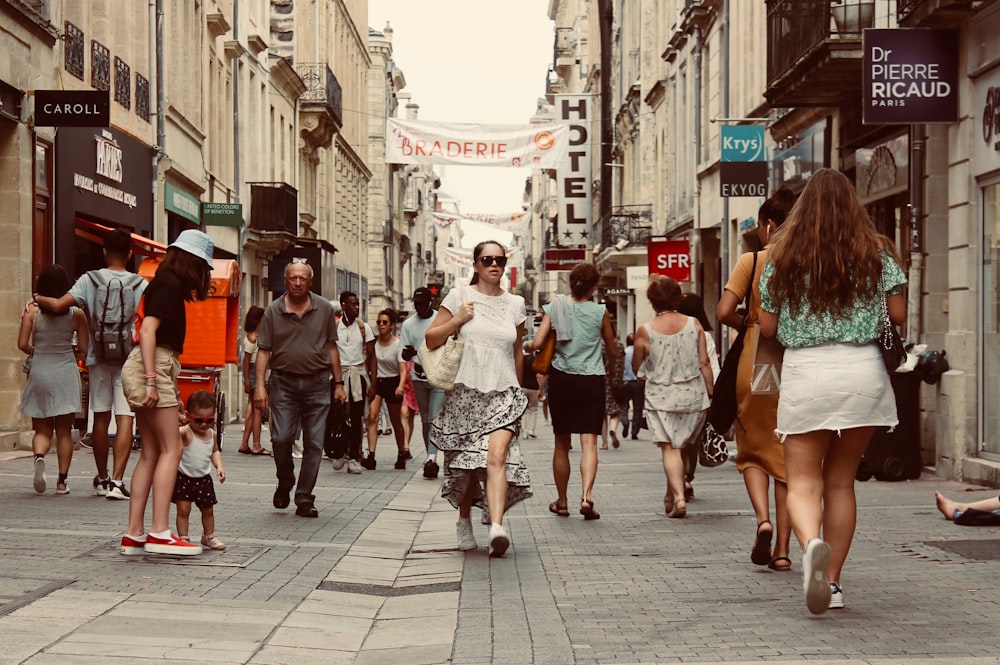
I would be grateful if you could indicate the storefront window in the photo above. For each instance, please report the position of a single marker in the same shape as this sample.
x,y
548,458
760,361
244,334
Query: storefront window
x,y
991,320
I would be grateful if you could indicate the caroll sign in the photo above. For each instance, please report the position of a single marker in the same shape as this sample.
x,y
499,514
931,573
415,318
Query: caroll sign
x,y
72,108
671,258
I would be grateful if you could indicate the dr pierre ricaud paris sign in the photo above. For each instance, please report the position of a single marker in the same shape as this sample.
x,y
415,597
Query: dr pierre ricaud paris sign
x,y
910,76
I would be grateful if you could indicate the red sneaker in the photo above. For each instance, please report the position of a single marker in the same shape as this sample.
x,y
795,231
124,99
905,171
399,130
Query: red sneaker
x,y
132,545
170,545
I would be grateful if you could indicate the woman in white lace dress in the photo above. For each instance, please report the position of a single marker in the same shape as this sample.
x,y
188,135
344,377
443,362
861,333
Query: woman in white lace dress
x,y
477,426
671,355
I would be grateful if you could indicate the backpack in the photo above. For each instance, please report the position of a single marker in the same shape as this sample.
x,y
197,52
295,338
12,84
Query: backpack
x,y
113,318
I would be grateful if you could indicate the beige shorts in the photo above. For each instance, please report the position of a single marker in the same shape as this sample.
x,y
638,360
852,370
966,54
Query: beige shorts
x,y
168,366
106,393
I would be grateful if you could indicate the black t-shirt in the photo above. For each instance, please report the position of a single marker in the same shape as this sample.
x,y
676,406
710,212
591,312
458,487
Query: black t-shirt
x,y
164,299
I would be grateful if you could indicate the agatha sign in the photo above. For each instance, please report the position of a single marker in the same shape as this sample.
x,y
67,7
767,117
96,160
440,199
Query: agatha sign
x,y
910,76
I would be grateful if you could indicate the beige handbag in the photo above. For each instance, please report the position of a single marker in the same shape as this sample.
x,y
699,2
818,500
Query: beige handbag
x,y
441,364
767,356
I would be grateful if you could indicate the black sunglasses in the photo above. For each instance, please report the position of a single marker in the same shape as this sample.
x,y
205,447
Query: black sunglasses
x,y
487,261
384,322
204,421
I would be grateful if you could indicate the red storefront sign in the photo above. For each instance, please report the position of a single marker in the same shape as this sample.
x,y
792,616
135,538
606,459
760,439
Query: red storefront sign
x,y
671,258
563,259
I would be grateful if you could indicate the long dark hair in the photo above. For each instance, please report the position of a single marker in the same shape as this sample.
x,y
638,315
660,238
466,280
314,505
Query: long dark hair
x,y
777,207
253,318
477,252
691,304
194,273
53,282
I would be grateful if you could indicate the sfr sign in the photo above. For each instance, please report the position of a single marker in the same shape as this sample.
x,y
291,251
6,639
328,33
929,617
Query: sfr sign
x,y
671,258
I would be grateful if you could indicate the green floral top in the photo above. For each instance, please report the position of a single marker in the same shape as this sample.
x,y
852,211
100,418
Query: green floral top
x,y
862,323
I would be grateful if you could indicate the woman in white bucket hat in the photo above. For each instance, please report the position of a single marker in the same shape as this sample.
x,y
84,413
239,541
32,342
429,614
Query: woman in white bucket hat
x,y
149,379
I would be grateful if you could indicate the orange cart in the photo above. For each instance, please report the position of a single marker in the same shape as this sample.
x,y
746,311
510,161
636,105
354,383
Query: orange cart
x,y
212,337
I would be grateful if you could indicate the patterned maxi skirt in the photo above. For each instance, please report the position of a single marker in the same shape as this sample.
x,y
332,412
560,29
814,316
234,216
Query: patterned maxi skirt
x,y
462,431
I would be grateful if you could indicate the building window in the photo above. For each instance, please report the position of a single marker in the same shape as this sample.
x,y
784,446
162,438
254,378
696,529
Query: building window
x,y
142,97
100,66
123,83
73,50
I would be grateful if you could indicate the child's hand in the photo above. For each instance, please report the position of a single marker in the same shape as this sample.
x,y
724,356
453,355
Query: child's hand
x,y
222,474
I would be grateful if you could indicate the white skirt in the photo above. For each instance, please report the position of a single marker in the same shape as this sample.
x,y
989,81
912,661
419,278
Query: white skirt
x,y
834,387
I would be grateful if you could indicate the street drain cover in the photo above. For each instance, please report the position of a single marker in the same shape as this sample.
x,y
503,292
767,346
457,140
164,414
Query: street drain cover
x,y
234,556
981,550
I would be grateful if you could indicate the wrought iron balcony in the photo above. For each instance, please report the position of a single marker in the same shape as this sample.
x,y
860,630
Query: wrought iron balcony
x,y
944,12
633,224
323,99
274,208
814,51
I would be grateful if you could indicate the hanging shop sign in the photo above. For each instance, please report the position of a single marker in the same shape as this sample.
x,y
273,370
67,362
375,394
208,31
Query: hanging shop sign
x,y
671,258
468,144
883,170
181,203
743,170
222,214
573,175
986,142
563,259
72,108
910,75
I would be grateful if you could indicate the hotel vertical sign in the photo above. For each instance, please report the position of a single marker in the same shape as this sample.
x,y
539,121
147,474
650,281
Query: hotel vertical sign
x,y
573,176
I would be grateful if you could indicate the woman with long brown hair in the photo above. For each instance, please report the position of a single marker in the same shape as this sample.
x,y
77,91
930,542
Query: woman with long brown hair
x,y
821,293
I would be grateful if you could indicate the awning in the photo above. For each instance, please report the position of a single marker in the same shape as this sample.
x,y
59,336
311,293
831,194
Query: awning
x,y
141,245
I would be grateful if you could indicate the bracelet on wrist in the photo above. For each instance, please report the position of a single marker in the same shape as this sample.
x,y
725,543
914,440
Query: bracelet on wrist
x,y
338,383
151,375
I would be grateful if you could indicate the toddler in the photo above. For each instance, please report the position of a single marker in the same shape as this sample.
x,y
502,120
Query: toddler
x,y
194,474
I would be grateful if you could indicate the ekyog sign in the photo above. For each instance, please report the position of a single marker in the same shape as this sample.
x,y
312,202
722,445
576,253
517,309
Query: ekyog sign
x,y
910,76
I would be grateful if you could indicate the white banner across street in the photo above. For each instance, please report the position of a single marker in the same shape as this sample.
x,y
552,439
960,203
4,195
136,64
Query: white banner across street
x,y
467,144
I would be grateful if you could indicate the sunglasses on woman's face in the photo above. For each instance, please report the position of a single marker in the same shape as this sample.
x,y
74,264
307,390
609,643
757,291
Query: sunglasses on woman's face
x,y
487,261
203,421
383,323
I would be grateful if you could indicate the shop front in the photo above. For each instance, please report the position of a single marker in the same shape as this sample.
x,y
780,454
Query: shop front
x,y
103,177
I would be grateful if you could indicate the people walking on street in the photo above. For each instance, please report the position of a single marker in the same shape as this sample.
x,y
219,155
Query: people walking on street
x,y
482,413
194,473
672,357
635,391
576,382
149,379
760,455
529,384
388,390
252,422
824,300
356,343
429,399
52,393
692,305
613,391
110,297
297,341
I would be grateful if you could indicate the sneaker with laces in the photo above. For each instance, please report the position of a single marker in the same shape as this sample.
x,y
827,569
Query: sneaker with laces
x,y
101,486
466,537
296,454
836,597
211,542
117,491
353,466
816,587
170,545
338,463
38,481
133,545
369,462
499,540
431,469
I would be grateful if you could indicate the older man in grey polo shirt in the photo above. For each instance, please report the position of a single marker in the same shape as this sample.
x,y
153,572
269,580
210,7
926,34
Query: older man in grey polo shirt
x,y
297,341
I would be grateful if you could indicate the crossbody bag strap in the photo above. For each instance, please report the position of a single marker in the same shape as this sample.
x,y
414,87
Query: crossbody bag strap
x,y
746,298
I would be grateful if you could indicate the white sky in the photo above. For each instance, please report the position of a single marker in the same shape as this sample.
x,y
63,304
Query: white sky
x,y
472,61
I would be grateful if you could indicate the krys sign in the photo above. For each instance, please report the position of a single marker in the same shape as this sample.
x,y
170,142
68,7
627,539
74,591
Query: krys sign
x,y
743,169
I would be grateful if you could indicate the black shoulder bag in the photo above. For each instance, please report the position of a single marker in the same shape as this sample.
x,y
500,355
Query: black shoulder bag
x,y
722,413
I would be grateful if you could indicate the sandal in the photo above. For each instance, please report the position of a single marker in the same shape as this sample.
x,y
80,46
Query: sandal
x,y
761,553
561,511
587,510
781,564
688,490
678,512
668,503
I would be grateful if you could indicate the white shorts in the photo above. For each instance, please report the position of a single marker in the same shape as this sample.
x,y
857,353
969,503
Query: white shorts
x,y
106,393
834,387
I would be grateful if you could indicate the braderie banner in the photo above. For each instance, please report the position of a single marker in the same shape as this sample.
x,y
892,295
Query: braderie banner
x,y
468,144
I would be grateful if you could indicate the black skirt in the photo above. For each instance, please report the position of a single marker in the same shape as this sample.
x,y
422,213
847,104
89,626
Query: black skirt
x,y
576,402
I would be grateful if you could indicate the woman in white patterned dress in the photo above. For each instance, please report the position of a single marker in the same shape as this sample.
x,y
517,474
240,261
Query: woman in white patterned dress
x,y
477,426
671,355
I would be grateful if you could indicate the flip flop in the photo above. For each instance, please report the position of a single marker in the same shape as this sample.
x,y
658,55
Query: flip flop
x,y
245,452
262,451
784,561
761,553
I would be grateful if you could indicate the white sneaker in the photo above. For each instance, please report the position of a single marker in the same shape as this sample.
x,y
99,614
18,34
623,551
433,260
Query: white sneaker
x,y
836,597
38,482
499,540
466,536
353,467
117,491
101,486
338,463
816,587
296,454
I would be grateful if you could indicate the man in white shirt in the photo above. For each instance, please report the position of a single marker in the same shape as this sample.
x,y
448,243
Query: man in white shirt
x,y
429,399
356,342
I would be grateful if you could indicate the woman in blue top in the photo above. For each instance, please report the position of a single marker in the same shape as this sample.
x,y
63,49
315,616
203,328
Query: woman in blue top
x,y
576,381
821,294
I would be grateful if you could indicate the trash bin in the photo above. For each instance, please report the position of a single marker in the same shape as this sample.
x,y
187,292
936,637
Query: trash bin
x,y
896,455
